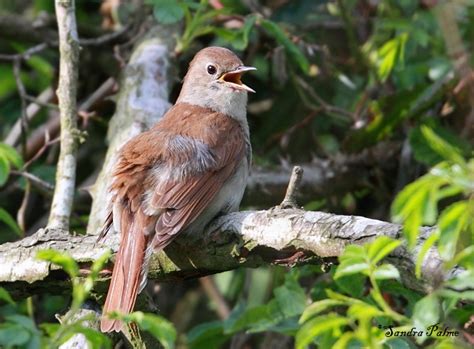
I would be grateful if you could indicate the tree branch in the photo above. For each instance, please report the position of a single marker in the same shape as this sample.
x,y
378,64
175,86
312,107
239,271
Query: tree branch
x,y
322,177
67,90
23,29
241,239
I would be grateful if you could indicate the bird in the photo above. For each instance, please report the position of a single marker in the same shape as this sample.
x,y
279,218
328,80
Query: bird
x,y
174,178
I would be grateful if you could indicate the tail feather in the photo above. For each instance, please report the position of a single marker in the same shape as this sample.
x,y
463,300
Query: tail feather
x,y
126,276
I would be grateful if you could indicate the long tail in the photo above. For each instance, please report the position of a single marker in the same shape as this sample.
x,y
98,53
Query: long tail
x,y
127,276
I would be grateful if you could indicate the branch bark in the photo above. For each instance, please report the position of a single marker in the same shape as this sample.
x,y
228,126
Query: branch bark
x,y
68,72
241,239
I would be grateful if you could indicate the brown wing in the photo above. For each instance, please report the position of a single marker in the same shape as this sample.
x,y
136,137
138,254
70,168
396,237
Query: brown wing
x,y
134,226
219,149
128,218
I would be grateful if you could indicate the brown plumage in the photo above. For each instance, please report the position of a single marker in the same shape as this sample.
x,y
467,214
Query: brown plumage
x,y
188,168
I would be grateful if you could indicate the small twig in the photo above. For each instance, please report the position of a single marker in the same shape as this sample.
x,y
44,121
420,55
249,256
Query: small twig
x,y
106,38
37,137
25,54
31,111
40,102
21,213
101,40
118,57
322,103
290,197
40,152
22,93
99,94
288,132
36,181
211,290
36,140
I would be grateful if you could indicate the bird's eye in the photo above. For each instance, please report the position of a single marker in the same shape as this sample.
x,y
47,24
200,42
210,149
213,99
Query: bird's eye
x,y
211,69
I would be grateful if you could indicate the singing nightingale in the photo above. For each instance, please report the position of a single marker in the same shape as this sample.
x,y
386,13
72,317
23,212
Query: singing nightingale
x,y
189,168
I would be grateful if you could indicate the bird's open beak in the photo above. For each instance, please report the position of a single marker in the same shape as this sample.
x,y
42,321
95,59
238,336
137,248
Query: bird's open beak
x,y
233,78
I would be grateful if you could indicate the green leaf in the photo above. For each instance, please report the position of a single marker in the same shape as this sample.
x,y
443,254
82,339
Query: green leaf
x,y
442,147
5,296
258,317
239,39
452,221
394,288
380,248
349,268
290,297
386,271
207,335
64,260
426,312
13,335
11,155
412,200
397,343
411,228
94,337
50,329
353,252
423,251
160,328
79,293
246,29
167,11
318,326
22,320
231,322
8,220
423,149
291,49
465,258
4,170
363,310
388,55
8,155
319,307
344,340
337,296
99,263
7,81
391,52
415,202
353,284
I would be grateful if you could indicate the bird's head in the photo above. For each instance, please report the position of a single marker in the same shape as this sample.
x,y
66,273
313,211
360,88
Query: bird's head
x,y
214,81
